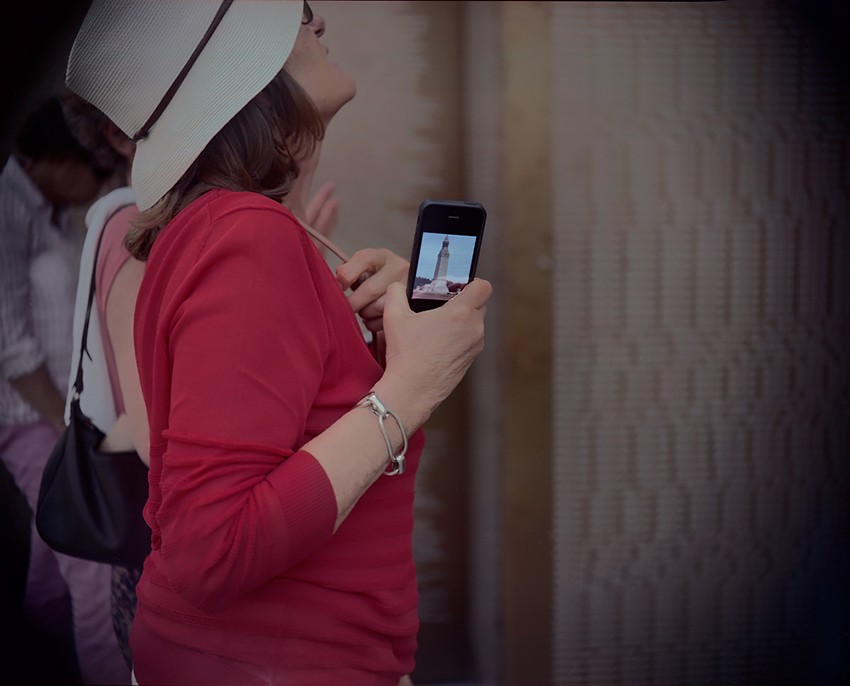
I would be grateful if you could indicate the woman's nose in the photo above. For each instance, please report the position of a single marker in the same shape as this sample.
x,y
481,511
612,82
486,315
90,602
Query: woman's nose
x,y
318,25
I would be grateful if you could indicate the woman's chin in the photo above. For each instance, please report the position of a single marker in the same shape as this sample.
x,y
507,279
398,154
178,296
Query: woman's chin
x,y
346,95
352,92
348,87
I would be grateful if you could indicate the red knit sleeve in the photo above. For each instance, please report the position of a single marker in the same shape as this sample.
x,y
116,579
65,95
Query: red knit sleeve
x,y
248,345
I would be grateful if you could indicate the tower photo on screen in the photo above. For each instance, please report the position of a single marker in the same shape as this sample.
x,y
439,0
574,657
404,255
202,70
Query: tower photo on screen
x,y
445,261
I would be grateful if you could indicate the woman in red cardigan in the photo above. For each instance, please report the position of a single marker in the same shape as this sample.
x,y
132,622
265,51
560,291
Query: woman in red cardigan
x,y
282,455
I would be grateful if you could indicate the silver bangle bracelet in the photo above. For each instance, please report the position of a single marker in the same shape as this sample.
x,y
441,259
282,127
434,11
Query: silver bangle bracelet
x,y
371,401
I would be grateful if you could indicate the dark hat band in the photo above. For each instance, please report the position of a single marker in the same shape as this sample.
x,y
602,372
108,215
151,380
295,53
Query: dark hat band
x,y
143,132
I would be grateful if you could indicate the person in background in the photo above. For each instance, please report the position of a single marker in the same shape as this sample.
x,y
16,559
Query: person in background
x,y
39,259
112,393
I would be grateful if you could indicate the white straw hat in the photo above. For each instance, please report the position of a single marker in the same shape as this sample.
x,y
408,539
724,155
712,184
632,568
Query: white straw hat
x,y
128,54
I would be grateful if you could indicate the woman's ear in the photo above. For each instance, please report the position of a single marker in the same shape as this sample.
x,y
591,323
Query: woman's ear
x,y
120,142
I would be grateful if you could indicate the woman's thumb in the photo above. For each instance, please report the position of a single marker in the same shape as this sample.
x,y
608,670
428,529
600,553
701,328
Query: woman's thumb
x,y
396,300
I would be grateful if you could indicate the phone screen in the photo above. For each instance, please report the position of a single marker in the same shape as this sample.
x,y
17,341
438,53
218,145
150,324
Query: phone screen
x,y
445,251
445,262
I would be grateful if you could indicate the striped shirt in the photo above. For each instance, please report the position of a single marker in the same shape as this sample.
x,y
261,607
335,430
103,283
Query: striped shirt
x,y
39,264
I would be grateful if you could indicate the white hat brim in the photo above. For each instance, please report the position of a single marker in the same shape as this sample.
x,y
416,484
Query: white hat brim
x,y
137,47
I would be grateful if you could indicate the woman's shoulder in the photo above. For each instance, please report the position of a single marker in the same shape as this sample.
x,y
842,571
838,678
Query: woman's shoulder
x,y
257,224
237,246
241,232
221,218
246,218
225,203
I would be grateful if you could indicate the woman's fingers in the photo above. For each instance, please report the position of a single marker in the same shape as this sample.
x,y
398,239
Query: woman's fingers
x,y
328,217
432,350
373,311
375,325
323,209
475,294
395,302
361,262
348,272
369,273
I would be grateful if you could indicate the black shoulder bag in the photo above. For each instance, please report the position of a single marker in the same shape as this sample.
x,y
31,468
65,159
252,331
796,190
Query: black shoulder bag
x,y
90,502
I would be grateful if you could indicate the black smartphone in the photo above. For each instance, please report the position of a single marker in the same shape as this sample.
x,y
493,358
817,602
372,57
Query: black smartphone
x,y
445,251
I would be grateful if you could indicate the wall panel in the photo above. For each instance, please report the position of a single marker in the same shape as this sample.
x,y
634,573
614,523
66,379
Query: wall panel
x,y
701,365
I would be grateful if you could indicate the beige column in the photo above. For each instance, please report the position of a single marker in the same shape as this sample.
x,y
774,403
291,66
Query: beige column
x,y
528,219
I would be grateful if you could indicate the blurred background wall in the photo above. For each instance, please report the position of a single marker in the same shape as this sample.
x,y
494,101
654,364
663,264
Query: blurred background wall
x,y
644,480
700,366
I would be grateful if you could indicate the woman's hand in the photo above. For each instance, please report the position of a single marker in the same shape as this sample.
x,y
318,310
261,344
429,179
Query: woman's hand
x,y
429,352
427,355
322,211
369,273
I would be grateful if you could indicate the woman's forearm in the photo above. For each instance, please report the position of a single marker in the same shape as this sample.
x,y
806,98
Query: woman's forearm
x,y
38,389
353,451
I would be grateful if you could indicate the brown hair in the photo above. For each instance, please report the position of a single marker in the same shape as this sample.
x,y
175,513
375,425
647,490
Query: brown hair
x,y
256,151
47,135
86,123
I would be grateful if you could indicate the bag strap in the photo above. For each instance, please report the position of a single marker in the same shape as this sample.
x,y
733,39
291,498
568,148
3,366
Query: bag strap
x,y
78,382
375,346
325,241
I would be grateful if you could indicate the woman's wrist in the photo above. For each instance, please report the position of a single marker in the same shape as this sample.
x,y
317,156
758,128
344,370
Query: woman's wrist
x,y
412,408
385,414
